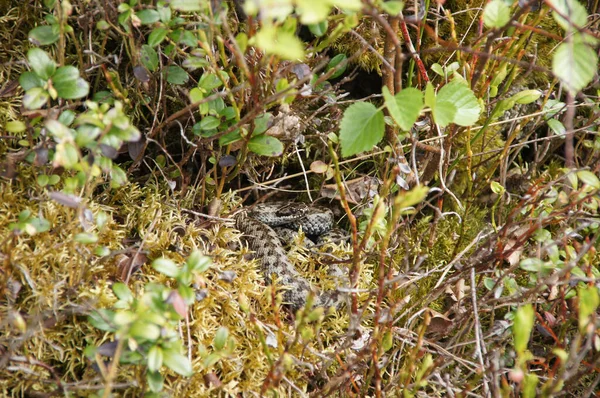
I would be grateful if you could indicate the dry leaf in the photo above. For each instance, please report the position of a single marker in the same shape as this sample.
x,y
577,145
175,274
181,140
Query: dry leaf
x,y
318,167
439,324
127,264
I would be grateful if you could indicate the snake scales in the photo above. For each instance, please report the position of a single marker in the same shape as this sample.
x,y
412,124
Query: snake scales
x,y
258,225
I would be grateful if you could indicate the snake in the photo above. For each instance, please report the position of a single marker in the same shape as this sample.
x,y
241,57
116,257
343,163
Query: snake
x,y
260,227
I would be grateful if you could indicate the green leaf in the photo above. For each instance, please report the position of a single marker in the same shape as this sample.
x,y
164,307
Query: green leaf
x,y
144,330
176,75
497,188
589,178
489,283
522,326
542,235
124,18
444,112
311,11
410,198
35,98
209,81
531,264
220,338
429,95
198,262
15,126
66,155
102,319
90,352
284,44
155,358
530,383
209,123
335,61
30,80
155,382
177,362
187,293
498,78
122,292
526,96
43,35
189,39
393,8
230,138
557,127
59,131
166,266
86,237
437,68
261,123
211,359
148,16
228,113
216,105
157,36
68,84
361,128
149,57
575,13
575,64
102,25
242,40
265,145
41,63
388,341
67,117
24,215
37,225
496,14
164,14
405,107
196,95
350,5
458,94
553,108
193,63
318,29
588,303
188,5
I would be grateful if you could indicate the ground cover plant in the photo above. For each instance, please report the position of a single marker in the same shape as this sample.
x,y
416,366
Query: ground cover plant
x,y
456,143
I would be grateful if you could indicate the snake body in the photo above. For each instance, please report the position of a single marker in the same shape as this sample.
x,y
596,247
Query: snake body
x,y
257,226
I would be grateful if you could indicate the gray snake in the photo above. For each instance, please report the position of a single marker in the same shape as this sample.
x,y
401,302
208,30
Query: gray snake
x,y
257,226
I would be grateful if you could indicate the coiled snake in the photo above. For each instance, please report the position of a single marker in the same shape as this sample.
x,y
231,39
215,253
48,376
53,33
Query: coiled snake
x,y
258,225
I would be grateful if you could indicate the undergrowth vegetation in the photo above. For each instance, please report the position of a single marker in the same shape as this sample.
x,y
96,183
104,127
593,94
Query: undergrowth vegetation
x,y
456,142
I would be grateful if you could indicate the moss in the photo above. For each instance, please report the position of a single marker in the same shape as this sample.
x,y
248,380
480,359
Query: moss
x,y
63,280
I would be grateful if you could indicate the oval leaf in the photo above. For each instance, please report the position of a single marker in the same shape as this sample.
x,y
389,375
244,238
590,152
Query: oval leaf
x,y
463,99
68,84
496,14
157,36
404,107
361,128
35,98
43,35
41,63
176,75
149,57
166,266
574,64
147,16
177,362
265,145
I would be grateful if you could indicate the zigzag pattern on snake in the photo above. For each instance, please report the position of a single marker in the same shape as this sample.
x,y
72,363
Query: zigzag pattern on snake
x,y
257,227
